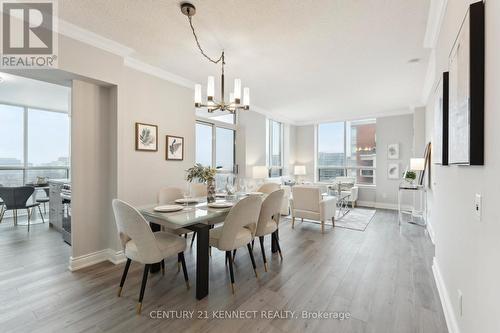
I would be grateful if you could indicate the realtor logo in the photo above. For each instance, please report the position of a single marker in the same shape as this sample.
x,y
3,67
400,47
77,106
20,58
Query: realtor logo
x,y
28,34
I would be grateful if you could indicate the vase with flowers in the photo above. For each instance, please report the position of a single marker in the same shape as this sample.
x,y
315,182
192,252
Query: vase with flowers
x,y
205,175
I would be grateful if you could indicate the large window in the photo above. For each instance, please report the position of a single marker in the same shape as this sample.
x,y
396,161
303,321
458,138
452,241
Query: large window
x,y
275,149
347,149
215,146
33,143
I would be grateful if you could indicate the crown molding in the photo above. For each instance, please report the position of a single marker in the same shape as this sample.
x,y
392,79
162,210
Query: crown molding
x,y
88,37
158,72
397,112
435,19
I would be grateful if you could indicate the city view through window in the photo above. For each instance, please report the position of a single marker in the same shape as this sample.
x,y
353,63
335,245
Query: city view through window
x,y
33,143
347,149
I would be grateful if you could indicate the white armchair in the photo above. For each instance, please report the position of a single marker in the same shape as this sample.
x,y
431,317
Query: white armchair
x,y
307,203
348,186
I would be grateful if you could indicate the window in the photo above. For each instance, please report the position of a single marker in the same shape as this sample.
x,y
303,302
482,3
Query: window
x,y
204,144
215,146
275,155
224,149
33,143
347,149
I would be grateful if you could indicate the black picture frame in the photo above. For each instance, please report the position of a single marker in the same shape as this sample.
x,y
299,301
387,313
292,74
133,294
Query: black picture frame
x,y
466,113
441,113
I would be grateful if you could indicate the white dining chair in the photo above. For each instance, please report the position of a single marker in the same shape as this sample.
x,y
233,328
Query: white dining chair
x,y
237,231
271,187
168,195
268,188
143,245
269,218
307,203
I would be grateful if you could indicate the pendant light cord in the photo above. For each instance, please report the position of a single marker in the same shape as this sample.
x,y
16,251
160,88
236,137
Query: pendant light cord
x,y
221,58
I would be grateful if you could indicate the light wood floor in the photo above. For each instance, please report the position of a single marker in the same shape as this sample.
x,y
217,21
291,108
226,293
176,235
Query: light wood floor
x,y
382,277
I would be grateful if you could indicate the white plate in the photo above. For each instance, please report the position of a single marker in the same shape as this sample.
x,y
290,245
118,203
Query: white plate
x,y
255,193
220,204
187,200
168,208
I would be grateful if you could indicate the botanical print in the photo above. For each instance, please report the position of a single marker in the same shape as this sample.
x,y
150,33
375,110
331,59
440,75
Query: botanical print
x,y
175,148
393,151
146,137
393,171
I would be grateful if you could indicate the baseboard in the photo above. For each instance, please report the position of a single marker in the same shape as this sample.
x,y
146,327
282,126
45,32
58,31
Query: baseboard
x,y
449,314
430,230
380,205
116,257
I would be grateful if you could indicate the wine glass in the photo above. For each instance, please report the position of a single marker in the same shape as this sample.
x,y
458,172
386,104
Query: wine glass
x,y
186,193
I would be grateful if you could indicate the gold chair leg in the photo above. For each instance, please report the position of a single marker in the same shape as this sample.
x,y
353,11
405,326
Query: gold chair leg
x,y
139,308
293,222
322,227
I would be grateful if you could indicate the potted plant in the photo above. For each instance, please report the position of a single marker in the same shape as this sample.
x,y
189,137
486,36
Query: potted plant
x,y
203,175
410,176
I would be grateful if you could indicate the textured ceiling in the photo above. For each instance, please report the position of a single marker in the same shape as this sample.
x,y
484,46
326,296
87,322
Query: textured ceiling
x,y
303,60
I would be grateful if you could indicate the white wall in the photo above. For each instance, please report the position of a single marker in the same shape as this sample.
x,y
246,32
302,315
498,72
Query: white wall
x,y
251,142
395,129
468,251
93,143
305,150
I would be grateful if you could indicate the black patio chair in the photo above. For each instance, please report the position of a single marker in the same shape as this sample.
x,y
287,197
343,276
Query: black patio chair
x,y
15,198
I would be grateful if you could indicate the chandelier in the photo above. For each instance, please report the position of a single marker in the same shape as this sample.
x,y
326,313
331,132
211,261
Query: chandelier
x,y
235,101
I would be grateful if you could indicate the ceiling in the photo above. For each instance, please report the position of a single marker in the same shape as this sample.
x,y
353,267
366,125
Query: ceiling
x,y
38,94
304,60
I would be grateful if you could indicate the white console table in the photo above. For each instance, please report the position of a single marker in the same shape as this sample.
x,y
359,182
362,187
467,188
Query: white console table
x,y
422,214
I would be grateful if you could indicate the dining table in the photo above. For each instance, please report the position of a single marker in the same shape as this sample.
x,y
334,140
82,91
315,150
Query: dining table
x,y
198,217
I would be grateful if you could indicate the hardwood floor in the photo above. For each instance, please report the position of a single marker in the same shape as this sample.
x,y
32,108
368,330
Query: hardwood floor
x,y
382,277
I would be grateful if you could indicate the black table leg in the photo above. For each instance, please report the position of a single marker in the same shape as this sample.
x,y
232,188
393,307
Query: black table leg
x,y
274,244
155,268
202,234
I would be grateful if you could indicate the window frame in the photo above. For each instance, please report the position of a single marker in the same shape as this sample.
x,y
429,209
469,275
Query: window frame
x,y
25,168
270,144
214,124
345,168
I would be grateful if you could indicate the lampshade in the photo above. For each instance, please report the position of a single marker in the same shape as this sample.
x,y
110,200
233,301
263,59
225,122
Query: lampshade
x,y
237,89
246,96
210,87
197,93
299,170
417,164
259,172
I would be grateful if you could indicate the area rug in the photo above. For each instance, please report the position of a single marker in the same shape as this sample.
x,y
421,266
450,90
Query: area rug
x,y
356,219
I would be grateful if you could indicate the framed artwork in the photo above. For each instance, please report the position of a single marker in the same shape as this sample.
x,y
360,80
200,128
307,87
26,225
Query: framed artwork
x,y
175,148
466,91
146,137
393,151
440,140
393,171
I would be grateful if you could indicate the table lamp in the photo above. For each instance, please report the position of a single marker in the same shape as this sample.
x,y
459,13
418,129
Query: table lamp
x,y
299,170
417,164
